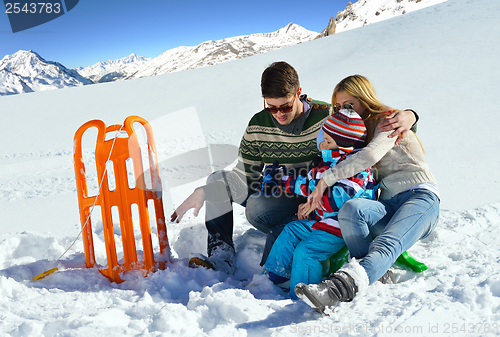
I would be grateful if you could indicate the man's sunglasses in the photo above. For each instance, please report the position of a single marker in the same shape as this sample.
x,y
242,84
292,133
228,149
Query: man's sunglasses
x,y
284,109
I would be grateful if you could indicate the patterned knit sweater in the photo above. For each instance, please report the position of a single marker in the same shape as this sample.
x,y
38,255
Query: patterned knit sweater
x,y
264,142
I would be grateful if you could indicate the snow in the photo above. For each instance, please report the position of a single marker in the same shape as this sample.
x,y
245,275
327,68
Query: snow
x,y
214,52
26,71
12,84
365,12
204,54
97,71
35,74
440,61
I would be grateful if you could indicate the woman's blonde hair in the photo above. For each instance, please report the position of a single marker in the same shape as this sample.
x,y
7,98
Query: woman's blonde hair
x,y
361,88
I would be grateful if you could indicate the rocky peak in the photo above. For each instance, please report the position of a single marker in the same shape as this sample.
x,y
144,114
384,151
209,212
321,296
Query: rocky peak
x,y
365,12
329,30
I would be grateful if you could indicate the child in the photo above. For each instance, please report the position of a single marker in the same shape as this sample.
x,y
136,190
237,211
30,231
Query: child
x,y
302,245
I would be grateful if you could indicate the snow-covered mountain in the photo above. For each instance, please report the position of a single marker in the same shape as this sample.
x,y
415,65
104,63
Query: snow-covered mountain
x,y
112,70
12,83
365,12
205,54
26,71
355,15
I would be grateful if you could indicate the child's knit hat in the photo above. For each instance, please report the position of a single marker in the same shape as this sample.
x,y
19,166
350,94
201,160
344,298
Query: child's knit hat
x,y
347,128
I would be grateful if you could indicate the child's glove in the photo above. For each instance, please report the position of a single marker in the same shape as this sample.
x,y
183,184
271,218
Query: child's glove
x,y
272,176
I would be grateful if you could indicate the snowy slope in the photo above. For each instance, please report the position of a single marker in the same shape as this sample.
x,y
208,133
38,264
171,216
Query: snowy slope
x,y
12,83
30,72
365,12
441,76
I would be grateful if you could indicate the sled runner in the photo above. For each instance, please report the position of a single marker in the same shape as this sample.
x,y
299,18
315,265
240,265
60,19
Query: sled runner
x,y
123,154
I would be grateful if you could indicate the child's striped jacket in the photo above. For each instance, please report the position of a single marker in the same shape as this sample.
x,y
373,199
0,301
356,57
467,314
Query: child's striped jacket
x,y
362,185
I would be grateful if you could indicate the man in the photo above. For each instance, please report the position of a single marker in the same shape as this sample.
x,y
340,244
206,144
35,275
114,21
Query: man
x,y
286,131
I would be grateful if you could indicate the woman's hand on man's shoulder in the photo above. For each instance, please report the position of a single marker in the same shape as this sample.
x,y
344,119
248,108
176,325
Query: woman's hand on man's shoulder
x,y
400,122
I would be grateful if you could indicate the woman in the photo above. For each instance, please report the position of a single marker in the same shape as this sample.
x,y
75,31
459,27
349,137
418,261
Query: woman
x,y
407,210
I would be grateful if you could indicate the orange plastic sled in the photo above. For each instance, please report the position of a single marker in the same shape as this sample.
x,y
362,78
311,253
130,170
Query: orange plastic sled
x,y
123,148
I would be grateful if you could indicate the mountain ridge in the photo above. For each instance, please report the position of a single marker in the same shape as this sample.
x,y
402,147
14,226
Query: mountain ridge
x,y
215,51
26,71
365,12
28,75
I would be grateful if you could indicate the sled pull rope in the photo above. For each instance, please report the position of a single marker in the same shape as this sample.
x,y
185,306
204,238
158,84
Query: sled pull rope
x,y
48,271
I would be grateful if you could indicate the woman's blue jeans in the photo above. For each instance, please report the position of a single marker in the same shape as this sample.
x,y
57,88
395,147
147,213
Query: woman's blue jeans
x,y
377,232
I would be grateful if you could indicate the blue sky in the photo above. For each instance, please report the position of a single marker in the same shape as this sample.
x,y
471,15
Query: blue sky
x,y
99,30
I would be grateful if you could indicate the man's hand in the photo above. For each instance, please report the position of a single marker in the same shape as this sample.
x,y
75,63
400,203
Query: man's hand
x,y
314,200
195,200
399,121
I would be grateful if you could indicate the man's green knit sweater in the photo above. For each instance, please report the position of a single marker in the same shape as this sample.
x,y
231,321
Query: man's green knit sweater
x,y
265,141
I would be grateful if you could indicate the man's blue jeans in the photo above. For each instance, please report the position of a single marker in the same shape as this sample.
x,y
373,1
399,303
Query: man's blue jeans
x,y
377,232
263,212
